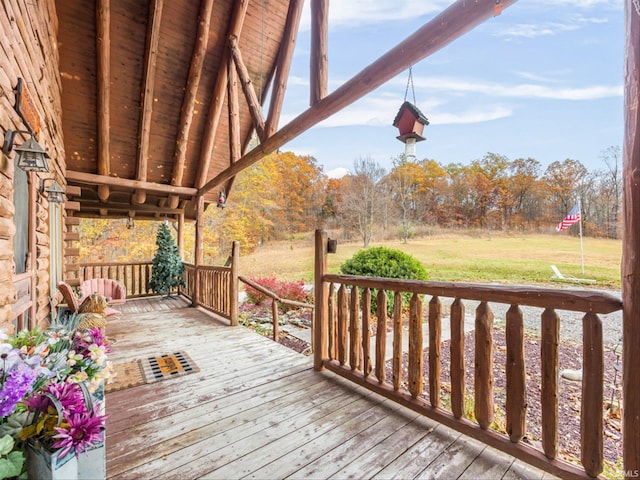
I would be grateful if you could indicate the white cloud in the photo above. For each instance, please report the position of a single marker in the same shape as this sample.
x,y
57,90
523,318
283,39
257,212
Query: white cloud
x,y
517,91
367,12
477,116
337,172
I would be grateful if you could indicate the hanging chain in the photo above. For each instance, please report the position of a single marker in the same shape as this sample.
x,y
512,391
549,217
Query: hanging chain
x,y
410,82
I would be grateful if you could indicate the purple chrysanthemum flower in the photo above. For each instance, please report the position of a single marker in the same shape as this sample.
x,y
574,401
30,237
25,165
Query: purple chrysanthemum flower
x,y
84,431
16,384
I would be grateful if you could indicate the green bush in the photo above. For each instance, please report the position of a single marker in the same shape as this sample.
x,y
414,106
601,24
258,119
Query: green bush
x,y
387,263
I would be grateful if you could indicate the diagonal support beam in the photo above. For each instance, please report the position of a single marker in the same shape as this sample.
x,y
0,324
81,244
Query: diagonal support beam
x,y
453,22
189,100
148,87
215,108
283,65
247,87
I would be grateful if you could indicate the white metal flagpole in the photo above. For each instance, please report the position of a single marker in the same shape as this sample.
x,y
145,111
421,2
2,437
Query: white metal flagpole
x,y
581,247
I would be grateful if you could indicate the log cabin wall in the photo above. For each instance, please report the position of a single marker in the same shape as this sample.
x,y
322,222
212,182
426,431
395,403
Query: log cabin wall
x,y
28,51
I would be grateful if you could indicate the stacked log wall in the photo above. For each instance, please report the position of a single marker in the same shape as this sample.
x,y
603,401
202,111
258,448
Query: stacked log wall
x,y
28,50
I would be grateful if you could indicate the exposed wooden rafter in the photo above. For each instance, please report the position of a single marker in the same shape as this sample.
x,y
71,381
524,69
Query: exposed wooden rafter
x,y
103,77
247,87
107,181
189,100
283,64
319,50
215,108
453,22
234,115
148,86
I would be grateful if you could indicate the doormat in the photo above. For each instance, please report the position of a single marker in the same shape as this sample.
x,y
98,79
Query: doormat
x,y
149,370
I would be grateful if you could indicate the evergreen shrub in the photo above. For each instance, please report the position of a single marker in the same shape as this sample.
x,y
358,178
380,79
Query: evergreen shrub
x,y
386,263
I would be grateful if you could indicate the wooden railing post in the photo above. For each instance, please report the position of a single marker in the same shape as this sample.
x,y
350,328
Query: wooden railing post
x,y
321,292
198,256
630,265
234,287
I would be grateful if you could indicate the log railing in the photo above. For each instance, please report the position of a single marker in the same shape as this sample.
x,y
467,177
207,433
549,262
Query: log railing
x,y
342,343
275,299
215,288
134,276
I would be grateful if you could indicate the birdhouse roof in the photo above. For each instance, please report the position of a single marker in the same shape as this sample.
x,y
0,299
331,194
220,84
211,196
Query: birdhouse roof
x,y
414,110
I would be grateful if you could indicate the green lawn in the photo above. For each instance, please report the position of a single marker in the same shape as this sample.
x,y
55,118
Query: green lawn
x,y
521,259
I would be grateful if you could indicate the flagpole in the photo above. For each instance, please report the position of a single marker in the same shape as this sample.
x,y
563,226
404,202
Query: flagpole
x,y
581,247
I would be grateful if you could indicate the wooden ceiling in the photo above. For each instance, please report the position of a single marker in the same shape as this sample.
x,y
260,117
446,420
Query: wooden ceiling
x,y
160,98
145,96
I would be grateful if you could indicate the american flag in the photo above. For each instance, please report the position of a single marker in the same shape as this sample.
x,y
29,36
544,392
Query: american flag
x,y
572,217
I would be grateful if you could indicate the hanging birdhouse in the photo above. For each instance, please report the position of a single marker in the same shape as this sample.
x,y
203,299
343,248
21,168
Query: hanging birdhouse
x,y
410,123
222,199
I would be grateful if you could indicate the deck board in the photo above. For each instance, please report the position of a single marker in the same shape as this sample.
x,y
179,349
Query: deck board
x,y
258,410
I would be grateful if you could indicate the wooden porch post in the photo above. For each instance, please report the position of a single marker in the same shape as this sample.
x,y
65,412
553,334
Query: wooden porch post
x,y
235,284
198,256
321,292
181,236
319,49
631,245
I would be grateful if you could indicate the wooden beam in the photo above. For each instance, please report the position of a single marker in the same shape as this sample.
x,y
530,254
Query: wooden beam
x,y
189,99
247,87
103,78
215,108
148,86
283,65
453,22
319,50
235,151
92,179
631,240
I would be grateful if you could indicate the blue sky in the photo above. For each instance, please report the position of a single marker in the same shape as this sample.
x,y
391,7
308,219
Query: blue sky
x,y
544,80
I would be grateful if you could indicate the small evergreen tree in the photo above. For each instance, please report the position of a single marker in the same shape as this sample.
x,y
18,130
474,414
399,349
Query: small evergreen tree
x,y
167,271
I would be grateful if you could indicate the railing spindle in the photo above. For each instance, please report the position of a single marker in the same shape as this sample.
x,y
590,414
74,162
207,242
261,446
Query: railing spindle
x,y
457,358
592,395
435,334
354,330
415,346
516,375
484,402
397,341
550,339
342,324
331,316
381,336
366,332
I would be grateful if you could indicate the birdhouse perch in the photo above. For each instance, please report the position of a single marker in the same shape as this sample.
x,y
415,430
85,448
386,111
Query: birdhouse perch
x,y
410,123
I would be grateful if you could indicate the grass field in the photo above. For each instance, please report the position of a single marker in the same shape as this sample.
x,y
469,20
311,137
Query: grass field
x,y
508,259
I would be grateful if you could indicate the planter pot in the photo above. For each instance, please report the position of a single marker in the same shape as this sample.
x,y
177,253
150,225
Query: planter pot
x,y
45,465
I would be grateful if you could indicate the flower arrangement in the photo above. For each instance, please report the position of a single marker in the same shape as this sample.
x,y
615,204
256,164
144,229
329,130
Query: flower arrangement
x,y
49,392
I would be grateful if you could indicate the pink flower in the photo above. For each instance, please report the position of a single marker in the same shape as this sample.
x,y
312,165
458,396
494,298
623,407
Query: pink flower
x,y
84,430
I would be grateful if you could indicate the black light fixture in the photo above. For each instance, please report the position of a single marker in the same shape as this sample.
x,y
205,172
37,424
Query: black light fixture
x,y
130,222
31,157
222,199
55,193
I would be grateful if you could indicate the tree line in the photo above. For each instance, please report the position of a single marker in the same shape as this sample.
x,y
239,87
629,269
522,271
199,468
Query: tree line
x,y
286,194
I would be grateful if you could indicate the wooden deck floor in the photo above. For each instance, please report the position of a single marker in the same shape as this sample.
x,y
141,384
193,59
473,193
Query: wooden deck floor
x,y
258,410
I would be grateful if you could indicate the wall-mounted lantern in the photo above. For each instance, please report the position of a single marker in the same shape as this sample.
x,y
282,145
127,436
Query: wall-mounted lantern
x,y
31,157
410,123
55,193
130,222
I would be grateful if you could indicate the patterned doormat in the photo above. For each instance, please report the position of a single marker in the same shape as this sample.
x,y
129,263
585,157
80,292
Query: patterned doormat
x,y
151,369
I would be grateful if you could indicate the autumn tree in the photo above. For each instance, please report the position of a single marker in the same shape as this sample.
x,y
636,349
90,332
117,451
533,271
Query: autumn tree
x,y
561,182
404,183
360,199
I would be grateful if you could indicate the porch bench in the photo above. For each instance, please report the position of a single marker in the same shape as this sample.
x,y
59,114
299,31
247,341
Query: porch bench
x,y
112,290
